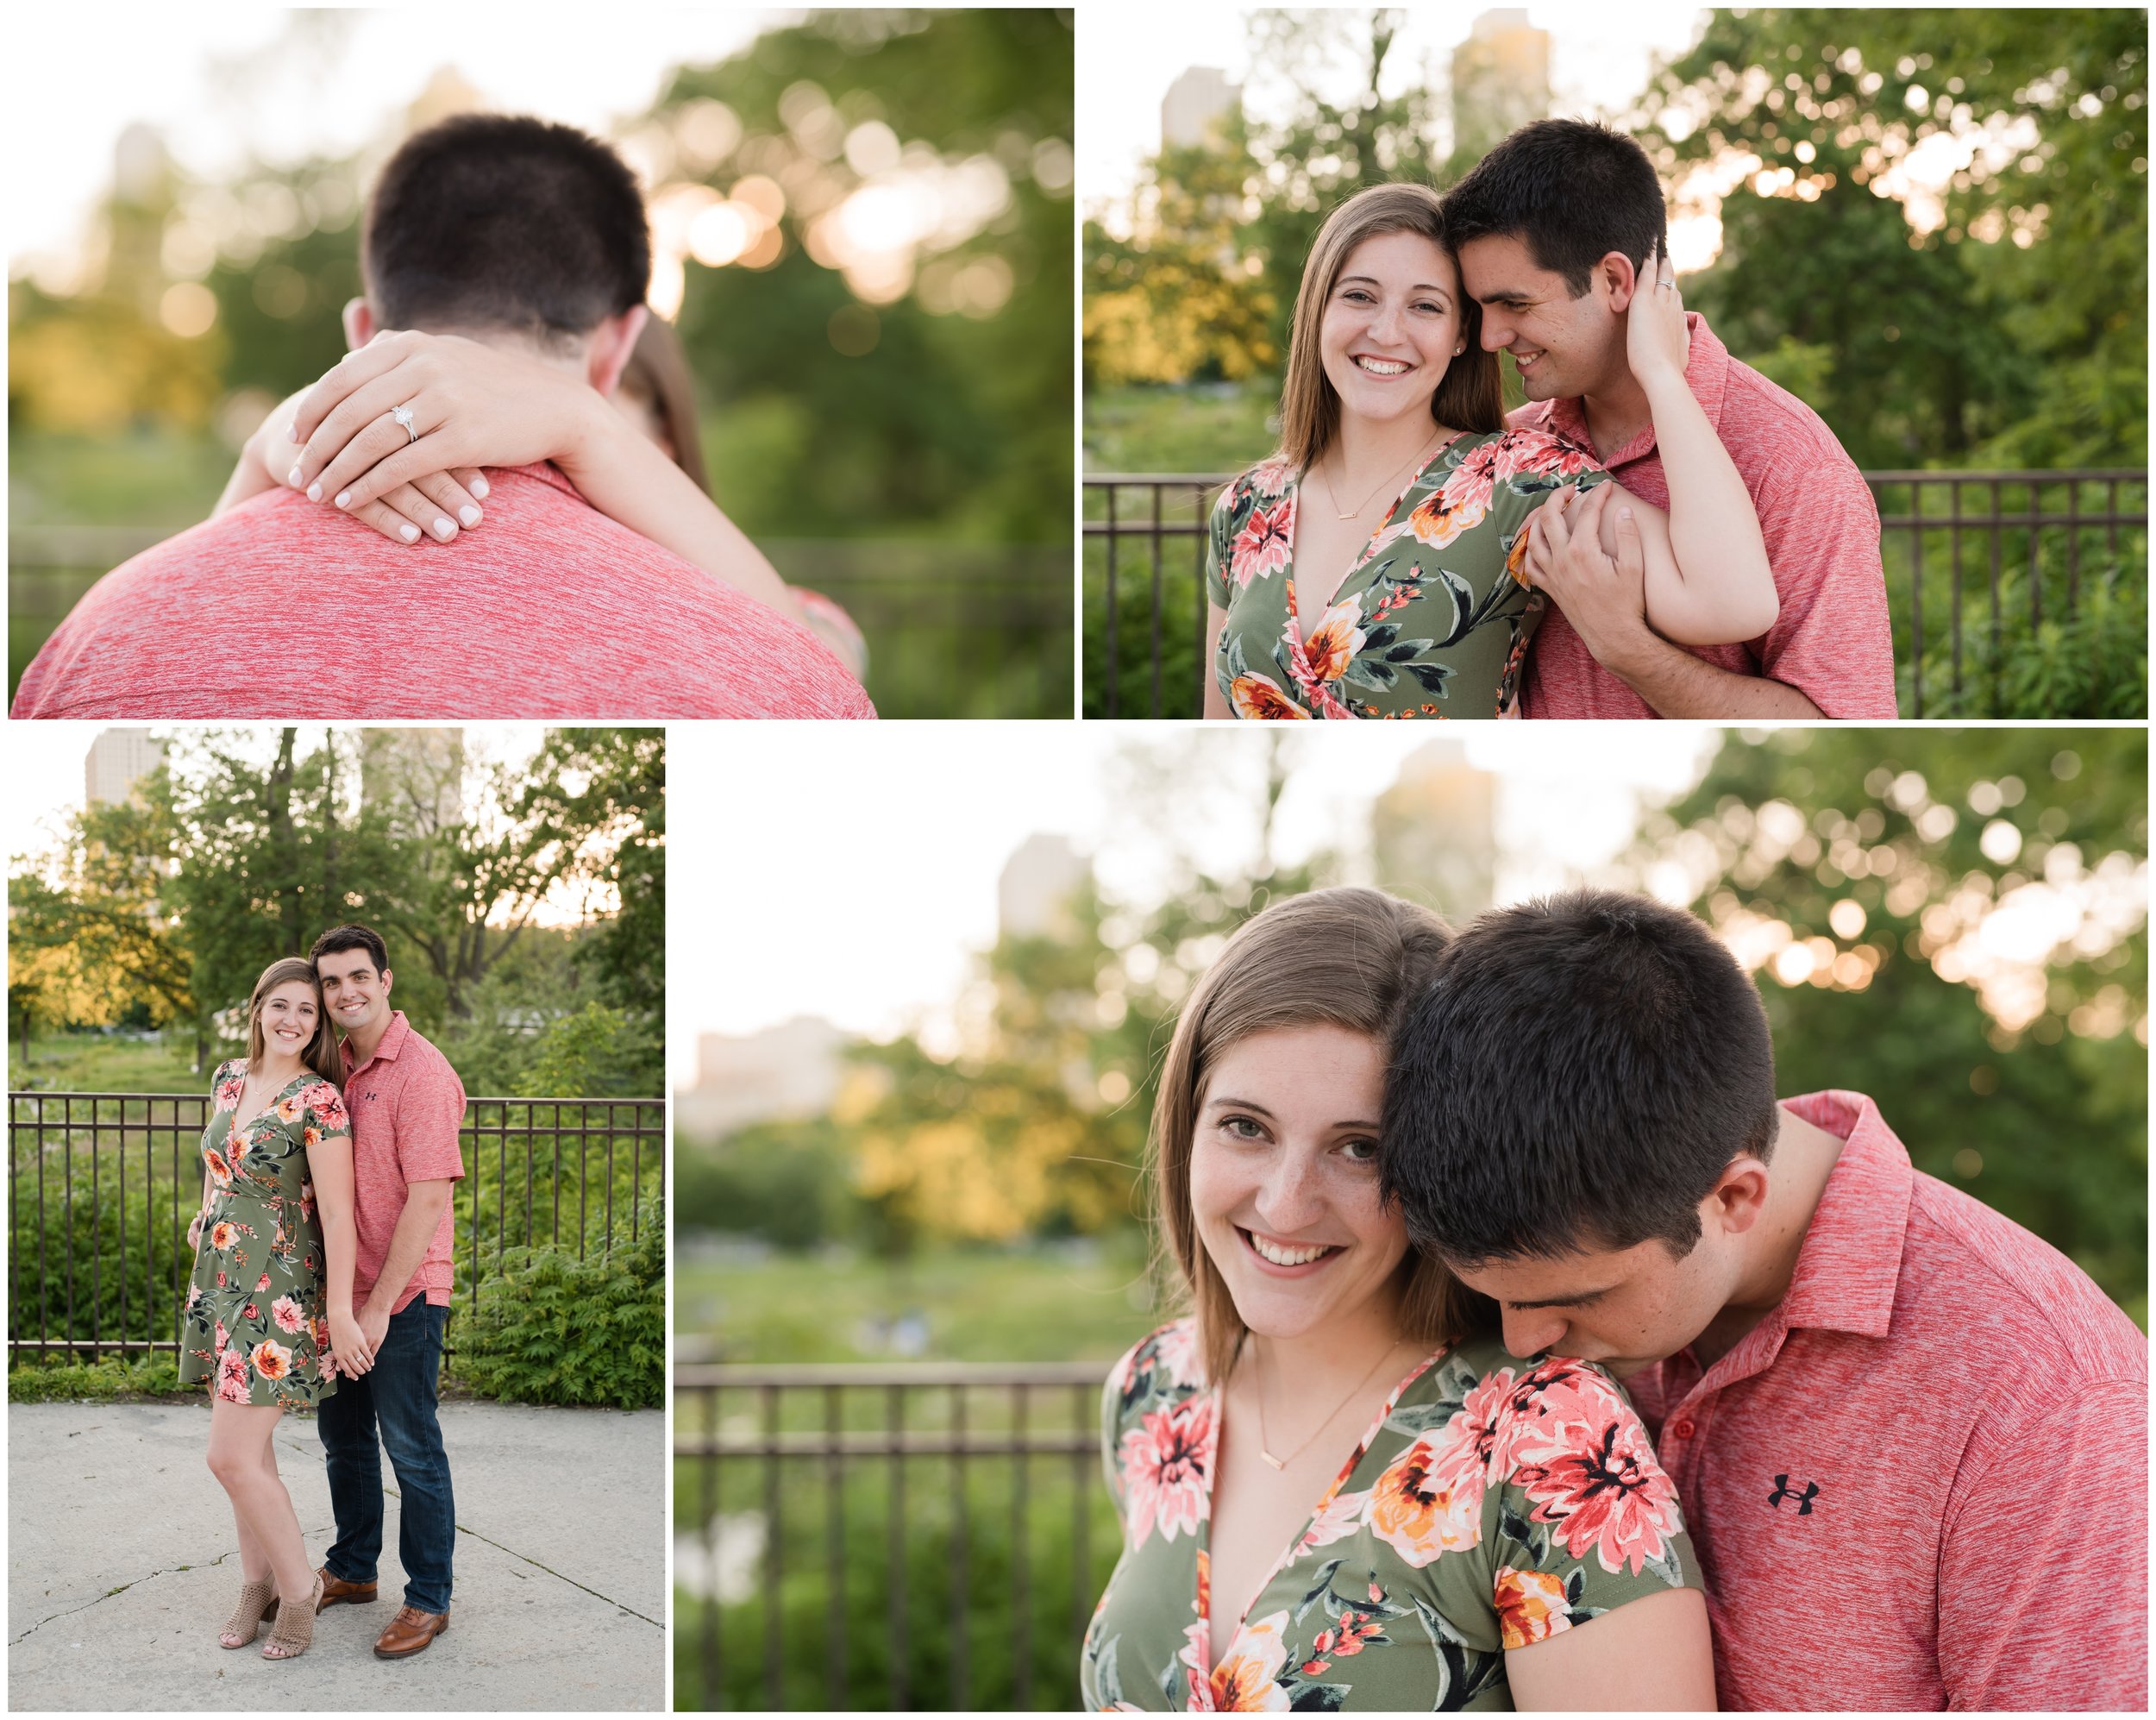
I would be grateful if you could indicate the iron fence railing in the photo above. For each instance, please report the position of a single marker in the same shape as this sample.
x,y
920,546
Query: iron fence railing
x,y
970,1493
101,1187
2013,535
954,630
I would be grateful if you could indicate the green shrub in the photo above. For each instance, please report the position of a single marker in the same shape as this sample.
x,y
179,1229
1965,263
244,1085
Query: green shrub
x,y
114,1378
551,1328
788,1183
105,1266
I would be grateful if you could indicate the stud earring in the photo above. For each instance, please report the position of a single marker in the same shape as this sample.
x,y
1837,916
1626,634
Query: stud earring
x,y
1460,348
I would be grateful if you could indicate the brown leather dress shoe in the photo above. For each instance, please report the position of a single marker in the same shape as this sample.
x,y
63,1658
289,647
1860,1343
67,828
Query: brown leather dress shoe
x,y
409,1632
336,1589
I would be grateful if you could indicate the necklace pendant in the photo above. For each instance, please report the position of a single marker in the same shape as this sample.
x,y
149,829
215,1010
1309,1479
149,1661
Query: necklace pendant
x,y
1346,516
1270,1458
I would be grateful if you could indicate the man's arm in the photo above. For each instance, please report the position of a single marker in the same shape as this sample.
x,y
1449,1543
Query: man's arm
x,y
408,1244
1605,602
2056,1510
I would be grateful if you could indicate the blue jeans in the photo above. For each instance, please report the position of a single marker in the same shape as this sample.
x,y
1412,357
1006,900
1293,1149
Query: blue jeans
x,y
396,1396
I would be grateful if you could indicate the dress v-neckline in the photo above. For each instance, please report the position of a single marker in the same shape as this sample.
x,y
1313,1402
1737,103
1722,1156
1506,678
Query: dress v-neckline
x,y
236,1131
1287,1556
1363,556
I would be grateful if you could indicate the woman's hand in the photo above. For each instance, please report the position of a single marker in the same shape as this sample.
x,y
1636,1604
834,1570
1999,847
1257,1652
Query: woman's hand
x,y
347,1343
1656,343
472,405
194,1230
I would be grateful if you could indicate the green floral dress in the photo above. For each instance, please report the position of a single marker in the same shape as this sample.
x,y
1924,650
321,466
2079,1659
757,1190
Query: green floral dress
x,y
1493,1503
256,1323
1434,618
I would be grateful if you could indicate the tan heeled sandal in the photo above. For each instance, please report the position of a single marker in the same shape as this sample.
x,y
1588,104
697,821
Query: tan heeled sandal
x,y
295,1629
258,1602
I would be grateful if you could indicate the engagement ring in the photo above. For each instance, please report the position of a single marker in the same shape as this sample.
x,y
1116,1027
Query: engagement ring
x,y
403,415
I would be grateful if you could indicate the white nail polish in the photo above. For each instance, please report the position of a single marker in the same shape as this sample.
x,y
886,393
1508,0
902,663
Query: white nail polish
x,y
292,477
444,530
409,532
343,496
469,516
314,491
480,488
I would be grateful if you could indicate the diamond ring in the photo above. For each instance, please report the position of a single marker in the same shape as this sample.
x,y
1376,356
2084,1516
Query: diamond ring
x,y
403,415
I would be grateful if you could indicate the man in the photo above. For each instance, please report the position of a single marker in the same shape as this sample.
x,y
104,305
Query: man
x,y
1553,229
519,234
1906,1433
406,1105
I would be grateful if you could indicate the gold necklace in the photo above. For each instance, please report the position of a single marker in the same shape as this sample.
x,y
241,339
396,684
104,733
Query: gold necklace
x,y
1258,1391
1419,454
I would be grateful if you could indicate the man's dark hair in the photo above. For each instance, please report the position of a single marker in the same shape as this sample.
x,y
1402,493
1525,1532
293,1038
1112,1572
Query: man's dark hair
x,y
1576,1075
493,220
353,937
1574,192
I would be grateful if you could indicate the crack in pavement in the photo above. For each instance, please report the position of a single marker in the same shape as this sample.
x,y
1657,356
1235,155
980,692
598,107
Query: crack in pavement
x,y
210,1564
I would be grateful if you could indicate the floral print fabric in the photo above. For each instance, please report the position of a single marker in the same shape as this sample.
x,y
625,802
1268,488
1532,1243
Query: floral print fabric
x,y
256,1324
1496,1503
1434,618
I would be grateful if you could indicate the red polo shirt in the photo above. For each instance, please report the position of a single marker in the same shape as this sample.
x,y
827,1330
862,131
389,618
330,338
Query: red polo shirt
x,y
1921,1482
1831,641
407,1105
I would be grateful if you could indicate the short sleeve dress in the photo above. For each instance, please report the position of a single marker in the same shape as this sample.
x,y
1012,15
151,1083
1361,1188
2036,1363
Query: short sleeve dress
x,y
1435,616
1493,1503
256,1320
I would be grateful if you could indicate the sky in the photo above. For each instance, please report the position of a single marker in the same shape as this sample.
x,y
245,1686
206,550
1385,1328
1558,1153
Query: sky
x,y
853,876
163,68
1599,59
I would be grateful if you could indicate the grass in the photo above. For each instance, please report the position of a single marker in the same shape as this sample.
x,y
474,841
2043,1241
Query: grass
x,y
98,1062
162,478
1036,1305
1210,427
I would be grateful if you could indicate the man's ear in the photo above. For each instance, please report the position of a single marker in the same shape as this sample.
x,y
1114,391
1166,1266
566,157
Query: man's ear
x,y
612,343
1738,1198
359,323
1618,278
388,979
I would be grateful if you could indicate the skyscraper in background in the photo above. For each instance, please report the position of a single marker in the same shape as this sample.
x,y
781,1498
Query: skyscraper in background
x,y
116,761
1195,104
1433,832
1501,79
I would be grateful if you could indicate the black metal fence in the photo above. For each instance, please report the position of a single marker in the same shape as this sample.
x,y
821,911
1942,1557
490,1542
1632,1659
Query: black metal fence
x,y
954,630
101,1188
925,1535
1960,549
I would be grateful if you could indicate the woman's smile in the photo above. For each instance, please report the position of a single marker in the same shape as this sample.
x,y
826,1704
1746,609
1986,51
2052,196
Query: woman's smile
x,y
1287,1260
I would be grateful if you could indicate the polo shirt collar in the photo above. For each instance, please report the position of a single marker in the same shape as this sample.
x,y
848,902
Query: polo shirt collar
x,y
1706,374
1851,1262
392,1042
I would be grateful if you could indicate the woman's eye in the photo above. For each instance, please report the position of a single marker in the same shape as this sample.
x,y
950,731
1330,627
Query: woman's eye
x,y
1359,1152
1243,1128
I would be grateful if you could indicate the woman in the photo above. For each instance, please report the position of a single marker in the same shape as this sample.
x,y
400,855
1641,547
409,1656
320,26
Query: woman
x,y
278,1145
1396,1514
1401,589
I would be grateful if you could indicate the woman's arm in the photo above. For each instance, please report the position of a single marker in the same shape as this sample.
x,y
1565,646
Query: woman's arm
x,y
433,504
1651,1652
329,1165
475,405
1708,581
1211,701
202,1212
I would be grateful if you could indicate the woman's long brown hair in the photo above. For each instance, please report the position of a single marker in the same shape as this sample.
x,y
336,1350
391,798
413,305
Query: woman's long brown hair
x,y
657,375
1350,957
1470,396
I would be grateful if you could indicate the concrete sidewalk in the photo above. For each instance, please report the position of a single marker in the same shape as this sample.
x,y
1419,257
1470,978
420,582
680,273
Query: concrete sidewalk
x,y
122,1562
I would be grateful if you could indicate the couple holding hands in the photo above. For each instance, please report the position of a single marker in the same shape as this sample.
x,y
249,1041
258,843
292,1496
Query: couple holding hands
x,y
322,1282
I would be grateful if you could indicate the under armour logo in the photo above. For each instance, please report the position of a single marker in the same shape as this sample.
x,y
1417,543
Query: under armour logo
x,y
1784,1490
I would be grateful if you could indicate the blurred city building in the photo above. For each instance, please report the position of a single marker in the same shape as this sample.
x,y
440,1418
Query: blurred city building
x,y
142,199
416,775
1033,894
792,1070
1433,832
1193,112
1501,79
116,761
